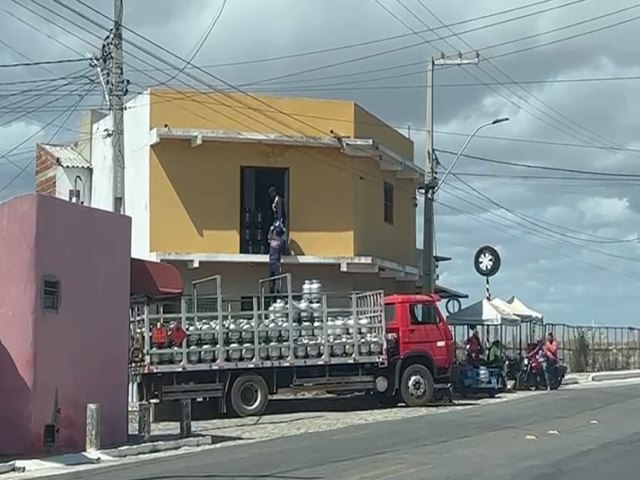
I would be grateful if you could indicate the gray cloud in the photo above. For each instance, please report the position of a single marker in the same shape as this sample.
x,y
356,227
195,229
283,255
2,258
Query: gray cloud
x,y
575,280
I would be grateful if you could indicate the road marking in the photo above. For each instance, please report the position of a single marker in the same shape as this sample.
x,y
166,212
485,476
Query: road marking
x,y
593,422
553,432
530,437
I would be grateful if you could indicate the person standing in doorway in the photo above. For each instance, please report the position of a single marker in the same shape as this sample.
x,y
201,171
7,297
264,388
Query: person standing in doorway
x,y
277,206
279,216
276,244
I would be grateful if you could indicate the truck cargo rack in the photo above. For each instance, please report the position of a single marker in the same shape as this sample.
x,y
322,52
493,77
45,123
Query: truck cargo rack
x,y
273,334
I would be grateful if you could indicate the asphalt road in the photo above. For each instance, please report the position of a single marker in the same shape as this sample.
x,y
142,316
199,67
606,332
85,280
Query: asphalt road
x,y
585,434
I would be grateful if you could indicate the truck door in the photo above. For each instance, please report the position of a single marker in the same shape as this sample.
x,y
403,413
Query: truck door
x,y
424,333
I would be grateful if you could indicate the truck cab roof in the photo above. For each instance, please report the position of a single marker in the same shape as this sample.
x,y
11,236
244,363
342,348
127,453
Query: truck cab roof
x,y
411,298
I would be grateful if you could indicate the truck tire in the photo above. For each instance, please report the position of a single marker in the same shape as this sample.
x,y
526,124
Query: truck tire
x,y
416,386
249,395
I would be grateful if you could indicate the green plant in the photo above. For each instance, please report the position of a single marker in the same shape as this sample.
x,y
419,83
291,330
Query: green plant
x,y
581,349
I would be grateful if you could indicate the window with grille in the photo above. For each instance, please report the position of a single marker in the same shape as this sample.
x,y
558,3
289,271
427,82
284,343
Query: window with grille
x,y
388,203
50,294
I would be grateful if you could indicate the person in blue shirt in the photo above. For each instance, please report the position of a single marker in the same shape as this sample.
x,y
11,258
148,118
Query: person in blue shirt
x,y
276,245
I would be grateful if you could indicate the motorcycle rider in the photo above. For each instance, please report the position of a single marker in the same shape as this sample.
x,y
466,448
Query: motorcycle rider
x,y
550,360
474,347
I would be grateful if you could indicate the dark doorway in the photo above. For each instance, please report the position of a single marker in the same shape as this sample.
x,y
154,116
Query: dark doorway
x,y
256,215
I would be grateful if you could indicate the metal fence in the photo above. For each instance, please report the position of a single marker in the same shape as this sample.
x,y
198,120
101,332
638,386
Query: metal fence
x,y
580,348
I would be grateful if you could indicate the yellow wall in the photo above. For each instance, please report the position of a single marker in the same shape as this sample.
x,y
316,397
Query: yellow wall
x,y
261,114
367,125
195,197
375,237
335,202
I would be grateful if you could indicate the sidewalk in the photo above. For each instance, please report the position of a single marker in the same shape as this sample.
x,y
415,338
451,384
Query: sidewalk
x,y
577,378
291,416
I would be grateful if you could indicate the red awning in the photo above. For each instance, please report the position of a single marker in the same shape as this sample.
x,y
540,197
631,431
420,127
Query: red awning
x,y
154,279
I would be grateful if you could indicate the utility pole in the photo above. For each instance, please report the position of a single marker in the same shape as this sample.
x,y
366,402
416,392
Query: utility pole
x,y
117,92
431,181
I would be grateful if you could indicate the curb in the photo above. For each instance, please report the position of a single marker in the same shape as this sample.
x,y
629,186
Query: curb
x,y
570,381
155,447
9,467
608,376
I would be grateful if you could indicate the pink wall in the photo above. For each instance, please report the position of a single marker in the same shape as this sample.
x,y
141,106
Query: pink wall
x,y
17,297
80,352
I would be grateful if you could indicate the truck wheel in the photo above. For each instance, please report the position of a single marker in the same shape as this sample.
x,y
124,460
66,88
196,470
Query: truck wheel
x,y
249,395
416,386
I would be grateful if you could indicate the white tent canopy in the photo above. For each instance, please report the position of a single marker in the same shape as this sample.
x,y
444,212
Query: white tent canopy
x,y
524,312
483,312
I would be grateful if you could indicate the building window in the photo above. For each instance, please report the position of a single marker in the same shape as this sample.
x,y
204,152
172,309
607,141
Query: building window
x,y
50,294
388,203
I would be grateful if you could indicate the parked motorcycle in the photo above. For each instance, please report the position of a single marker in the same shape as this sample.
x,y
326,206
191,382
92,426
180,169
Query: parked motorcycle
x,y
532,376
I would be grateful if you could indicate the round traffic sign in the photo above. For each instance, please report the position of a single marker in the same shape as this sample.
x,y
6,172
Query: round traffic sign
x,y
487,261
453,305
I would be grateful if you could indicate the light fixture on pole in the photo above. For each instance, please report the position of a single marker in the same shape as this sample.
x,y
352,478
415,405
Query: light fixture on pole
x,y
455,160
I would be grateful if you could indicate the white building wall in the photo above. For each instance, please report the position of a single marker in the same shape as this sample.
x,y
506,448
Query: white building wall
x,y
136,172
102,181
136,179
66,180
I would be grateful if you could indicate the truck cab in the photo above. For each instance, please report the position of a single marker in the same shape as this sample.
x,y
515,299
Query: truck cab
x,y
420,347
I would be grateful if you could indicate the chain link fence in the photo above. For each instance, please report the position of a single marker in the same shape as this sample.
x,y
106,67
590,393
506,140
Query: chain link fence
x,y
580,348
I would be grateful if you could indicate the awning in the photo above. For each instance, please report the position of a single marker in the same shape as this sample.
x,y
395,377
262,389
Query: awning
x,y
483,312
445,293
154,280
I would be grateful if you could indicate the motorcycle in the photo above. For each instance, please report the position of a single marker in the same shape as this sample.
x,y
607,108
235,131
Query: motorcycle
x,y
510,370
532,376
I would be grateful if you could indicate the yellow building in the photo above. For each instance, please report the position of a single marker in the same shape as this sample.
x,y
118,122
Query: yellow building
x,y
198,167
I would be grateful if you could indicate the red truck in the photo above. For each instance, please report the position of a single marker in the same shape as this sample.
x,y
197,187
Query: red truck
x,y
238,352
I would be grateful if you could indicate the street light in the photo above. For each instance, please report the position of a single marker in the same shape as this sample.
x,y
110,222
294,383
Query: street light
x,y
480,127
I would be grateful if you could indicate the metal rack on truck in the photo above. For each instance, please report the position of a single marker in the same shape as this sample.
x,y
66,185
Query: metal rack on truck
x,y
240,351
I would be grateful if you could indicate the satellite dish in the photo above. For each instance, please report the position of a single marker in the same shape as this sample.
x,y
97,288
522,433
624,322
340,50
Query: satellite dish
x,y
487,261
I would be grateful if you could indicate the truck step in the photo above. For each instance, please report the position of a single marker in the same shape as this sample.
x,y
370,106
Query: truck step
x,y
191,391
335,384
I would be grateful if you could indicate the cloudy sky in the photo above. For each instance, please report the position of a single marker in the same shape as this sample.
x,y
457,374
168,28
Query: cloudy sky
x,y
555,189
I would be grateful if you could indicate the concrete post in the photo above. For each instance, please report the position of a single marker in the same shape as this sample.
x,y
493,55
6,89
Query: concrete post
x,y
185,418
93,427
144,421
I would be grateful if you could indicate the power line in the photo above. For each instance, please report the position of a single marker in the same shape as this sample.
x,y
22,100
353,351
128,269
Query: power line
x,y
578,127
542,167
200,44
549,227
406,47
374,41
70,113
363,175
42,62
340,86
527,238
